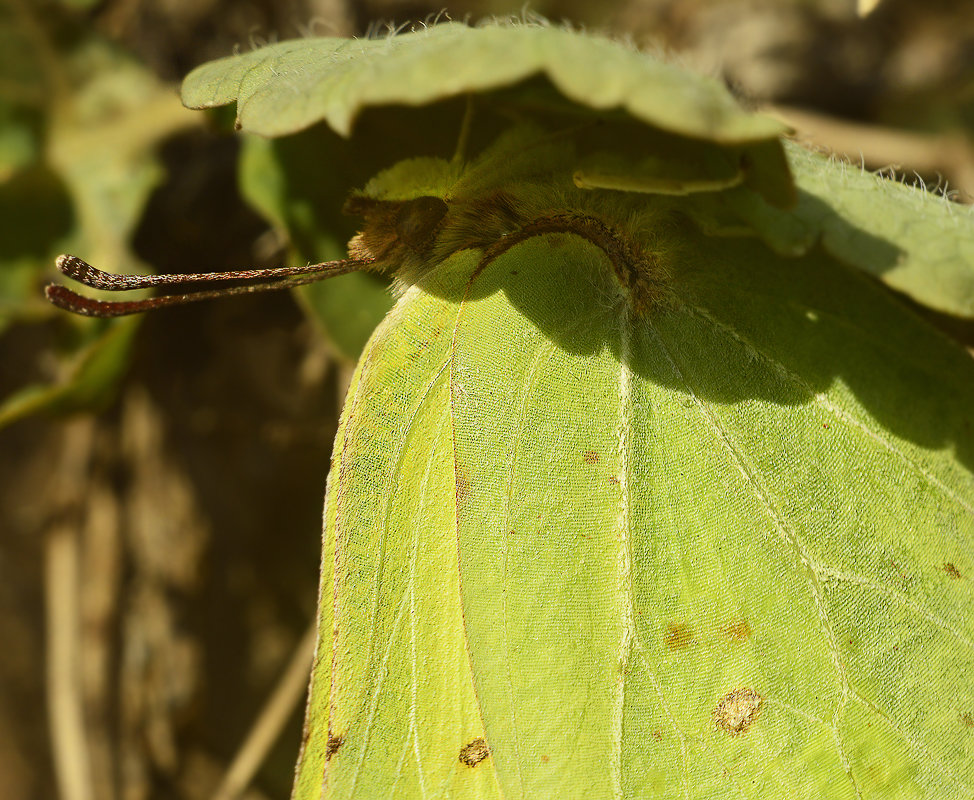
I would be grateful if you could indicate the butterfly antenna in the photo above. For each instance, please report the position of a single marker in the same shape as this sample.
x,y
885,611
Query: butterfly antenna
x,y
248,280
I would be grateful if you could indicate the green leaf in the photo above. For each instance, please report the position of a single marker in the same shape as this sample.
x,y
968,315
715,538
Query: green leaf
x,y
102,143
36,215
918,243
933,237
19,140
77,164
90,374
644,514
690,134
289,86
300,191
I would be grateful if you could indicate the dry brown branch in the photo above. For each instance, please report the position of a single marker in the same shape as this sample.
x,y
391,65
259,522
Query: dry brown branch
x,y
64,690
271,720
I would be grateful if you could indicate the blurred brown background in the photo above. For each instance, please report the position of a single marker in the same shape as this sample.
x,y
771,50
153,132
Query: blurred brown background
x,y
180,524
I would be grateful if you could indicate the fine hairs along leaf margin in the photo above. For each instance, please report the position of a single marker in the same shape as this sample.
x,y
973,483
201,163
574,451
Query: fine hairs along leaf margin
x,y
286,87
919,243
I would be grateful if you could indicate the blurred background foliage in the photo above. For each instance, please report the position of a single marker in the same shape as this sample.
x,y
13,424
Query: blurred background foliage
x,y
161,479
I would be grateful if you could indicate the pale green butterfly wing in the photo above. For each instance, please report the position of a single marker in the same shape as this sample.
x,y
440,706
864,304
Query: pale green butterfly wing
x,y
392,700
721,519
721,550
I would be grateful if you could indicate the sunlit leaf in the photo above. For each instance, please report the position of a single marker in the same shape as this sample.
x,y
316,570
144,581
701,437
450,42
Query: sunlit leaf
x,y
286,87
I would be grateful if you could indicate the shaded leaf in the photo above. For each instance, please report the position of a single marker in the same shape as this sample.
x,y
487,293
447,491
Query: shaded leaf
x,y
88,380
19,139
919,243
292,183
77,169
300,184
933,237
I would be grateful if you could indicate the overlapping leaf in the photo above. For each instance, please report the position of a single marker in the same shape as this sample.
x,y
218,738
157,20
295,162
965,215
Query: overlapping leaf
x,y
917,242
913,241
931,240
289,86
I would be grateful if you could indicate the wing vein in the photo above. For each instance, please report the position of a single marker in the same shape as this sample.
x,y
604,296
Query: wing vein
x,y
861,580
397,459
840,414
788,535
541,357
624,565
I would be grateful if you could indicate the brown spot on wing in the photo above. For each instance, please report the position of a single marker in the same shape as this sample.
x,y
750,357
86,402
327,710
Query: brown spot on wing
x,y
737,711
475,752
590,457
739,630
677,636
952,571
334,745
463,486
967,719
